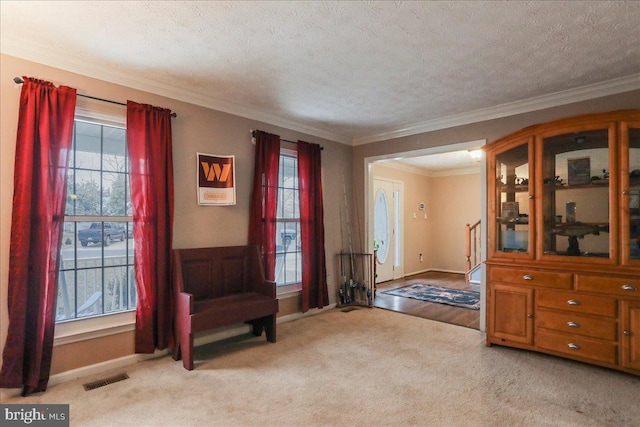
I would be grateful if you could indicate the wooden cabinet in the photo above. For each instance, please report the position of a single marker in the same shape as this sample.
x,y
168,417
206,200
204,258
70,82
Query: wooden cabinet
x,y
511,315
563,240
631,334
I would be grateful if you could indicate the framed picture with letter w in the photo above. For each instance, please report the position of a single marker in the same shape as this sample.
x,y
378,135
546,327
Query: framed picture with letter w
x,y
216,180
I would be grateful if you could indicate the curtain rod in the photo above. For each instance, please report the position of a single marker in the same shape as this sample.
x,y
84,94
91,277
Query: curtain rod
x,y
19,81
253,135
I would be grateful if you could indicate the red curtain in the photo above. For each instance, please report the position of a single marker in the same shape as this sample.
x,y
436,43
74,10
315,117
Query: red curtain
x,y
149,145
45,128
314,271
264,199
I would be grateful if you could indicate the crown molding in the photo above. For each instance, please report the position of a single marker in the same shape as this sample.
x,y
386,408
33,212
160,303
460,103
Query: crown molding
x,y
583,93
475,170
393,164
27,50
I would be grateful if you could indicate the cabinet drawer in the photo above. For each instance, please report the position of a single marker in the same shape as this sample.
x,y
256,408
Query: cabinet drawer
x,y
519,276
578,303
577,324
628,287
576,346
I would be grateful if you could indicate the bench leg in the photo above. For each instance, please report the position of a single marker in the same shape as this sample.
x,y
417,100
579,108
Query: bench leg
x,y
186,348
257,326
270,327
176,353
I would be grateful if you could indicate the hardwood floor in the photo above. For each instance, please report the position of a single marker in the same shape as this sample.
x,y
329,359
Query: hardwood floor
x,y
428,310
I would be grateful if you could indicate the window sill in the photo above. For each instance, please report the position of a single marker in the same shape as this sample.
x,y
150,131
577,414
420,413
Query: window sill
x,y
288,290
93,327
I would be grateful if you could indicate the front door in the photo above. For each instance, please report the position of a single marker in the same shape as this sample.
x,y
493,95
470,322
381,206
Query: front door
x,y
384,225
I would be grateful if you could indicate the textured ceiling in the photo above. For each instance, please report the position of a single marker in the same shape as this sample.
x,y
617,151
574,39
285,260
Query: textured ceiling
x,y
453,162
351,71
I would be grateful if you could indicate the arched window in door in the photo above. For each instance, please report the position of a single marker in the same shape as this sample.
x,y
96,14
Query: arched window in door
x,y
381,226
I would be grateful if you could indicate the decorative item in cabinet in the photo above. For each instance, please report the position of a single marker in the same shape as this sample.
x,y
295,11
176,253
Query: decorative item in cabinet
x,y
630,185
510,202
575,157
357,280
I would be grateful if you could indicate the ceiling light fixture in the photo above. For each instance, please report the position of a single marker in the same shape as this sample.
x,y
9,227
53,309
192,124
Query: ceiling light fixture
x,y
475,154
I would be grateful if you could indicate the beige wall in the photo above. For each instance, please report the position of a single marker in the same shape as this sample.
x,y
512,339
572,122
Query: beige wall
x,y
456,202
451,201
195,129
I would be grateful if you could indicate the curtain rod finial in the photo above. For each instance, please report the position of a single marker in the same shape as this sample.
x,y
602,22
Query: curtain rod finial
x,y
18,80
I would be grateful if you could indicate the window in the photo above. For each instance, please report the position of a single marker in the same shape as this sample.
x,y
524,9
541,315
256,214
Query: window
x,y
96,258
288,246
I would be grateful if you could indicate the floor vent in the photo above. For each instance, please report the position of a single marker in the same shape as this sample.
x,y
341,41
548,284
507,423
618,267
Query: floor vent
x,y
105,381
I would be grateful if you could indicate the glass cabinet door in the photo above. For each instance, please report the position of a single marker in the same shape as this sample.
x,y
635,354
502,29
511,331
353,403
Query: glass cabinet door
x,y
630,183
575,188
512,232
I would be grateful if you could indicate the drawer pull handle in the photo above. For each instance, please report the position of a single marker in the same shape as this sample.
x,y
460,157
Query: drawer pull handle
x,y
573,302
573,325
527,277
529,316
627,333
573,346
629,288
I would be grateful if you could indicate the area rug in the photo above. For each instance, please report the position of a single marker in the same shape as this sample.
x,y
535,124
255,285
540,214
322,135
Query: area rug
x,y
454,297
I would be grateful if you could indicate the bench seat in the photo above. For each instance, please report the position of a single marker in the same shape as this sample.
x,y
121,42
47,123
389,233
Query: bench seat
x,y
218,287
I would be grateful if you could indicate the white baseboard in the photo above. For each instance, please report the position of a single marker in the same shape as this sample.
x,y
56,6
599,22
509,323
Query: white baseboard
x,y
121,362
433,269
236,330
313,312
413,273
86,371
105,366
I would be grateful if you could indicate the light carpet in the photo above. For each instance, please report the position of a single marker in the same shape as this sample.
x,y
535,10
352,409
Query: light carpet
x,y
366,367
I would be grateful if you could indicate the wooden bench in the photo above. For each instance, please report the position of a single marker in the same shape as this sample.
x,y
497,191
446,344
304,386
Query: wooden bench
x,y
217,287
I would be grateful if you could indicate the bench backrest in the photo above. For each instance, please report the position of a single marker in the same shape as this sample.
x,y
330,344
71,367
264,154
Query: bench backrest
x,y
216,272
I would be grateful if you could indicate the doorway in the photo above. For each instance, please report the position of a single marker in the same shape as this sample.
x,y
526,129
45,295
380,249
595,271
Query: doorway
x,y
446,194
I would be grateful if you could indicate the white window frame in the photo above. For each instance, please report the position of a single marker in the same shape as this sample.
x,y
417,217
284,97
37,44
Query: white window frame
x,y
296,287
86,328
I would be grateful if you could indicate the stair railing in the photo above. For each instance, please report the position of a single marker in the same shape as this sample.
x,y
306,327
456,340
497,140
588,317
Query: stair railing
x,y
472,248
